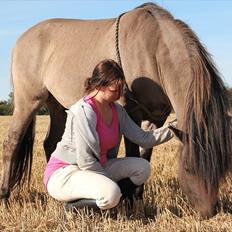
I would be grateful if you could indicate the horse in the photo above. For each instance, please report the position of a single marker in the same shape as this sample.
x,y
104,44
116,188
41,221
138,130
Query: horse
x,y
166,67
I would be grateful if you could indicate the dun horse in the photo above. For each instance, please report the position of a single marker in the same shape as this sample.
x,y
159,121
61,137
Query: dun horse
x,y
165,67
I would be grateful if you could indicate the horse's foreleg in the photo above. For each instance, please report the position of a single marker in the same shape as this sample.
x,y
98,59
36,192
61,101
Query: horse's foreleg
x,y
57,125
146,153
132,149
16,151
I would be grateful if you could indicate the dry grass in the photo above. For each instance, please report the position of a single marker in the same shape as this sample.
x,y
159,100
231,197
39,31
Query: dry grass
x,y
165,207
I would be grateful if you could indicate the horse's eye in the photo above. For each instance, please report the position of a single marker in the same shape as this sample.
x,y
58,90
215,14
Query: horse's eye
x,y
188,169
187,166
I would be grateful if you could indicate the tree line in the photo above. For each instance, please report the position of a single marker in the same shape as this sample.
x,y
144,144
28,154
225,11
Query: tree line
x,y
6,107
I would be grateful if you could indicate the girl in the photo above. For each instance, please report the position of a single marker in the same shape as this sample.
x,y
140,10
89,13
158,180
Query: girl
x,y
84,166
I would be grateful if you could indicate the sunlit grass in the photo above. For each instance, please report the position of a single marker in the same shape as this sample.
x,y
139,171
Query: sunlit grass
x,y
166,208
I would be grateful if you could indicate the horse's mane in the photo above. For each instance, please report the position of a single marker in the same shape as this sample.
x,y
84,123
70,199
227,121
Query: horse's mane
x,y
206,120
155,10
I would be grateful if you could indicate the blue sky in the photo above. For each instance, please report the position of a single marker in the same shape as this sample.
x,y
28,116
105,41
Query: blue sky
x,y
210,19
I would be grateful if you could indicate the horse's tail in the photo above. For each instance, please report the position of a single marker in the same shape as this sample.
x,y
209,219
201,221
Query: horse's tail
x,y
22,163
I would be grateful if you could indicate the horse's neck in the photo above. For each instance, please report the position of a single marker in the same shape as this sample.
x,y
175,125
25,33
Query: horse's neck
x,y
157,53
174,67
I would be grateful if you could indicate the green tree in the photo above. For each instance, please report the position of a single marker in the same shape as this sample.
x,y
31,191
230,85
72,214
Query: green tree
x,y
11,98
6,107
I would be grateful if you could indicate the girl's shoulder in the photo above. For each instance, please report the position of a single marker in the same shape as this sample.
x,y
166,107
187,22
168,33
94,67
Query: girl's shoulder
x,y
82,110
119,107
79,106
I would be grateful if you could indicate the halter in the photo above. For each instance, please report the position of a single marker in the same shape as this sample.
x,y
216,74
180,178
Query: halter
x,y
127,92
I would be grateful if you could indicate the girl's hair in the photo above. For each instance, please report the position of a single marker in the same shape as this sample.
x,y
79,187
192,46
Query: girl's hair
x,y
103,75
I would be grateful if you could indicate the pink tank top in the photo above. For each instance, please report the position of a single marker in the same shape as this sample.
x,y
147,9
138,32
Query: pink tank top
x,y
108,137
108,134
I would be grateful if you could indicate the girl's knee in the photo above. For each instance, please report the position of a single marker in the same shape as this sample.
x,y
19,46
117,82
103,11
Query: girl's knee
x,y
143,171
110,197
146,169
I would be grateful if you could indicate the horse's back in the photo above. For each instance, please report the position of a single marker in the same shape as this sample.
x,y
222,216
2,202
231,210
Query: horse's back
x,y
59,54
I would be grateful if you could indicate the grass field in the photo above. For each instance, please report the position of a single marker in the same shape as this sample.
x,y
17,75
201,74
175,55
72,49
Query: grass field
x,y
165,207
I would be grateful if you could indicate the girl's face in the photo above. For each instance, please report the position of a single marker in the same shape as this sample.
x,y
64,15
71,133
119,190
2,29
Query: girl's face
x,y
112,92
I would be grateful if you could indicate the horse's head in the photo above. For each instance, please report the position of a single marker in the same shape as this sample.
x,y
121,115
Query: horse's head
x,y
202,195
202,113
201,190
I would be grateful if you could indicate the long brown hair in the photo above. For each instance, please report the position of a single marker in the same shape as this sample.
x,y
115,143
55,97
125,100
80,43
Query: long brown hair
x,y
104,73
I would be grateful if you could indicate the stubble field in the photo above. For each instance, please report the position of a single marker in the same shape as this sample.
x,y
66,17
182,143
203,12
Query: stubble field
x,y
165,206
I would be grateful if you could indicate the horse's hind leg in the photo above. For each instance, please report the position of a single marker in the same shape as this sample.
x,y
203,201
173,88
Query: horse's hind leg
x,y
57,125
17,146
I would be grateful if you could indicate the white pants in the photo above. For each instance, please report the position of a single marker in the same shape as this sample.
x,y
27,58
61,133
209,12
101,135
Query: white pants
x,y
70,183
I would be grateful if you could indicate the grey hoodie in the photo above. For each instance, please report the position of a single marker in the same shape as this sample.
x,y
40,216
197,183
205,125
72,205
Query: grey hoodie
x,y
80,142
